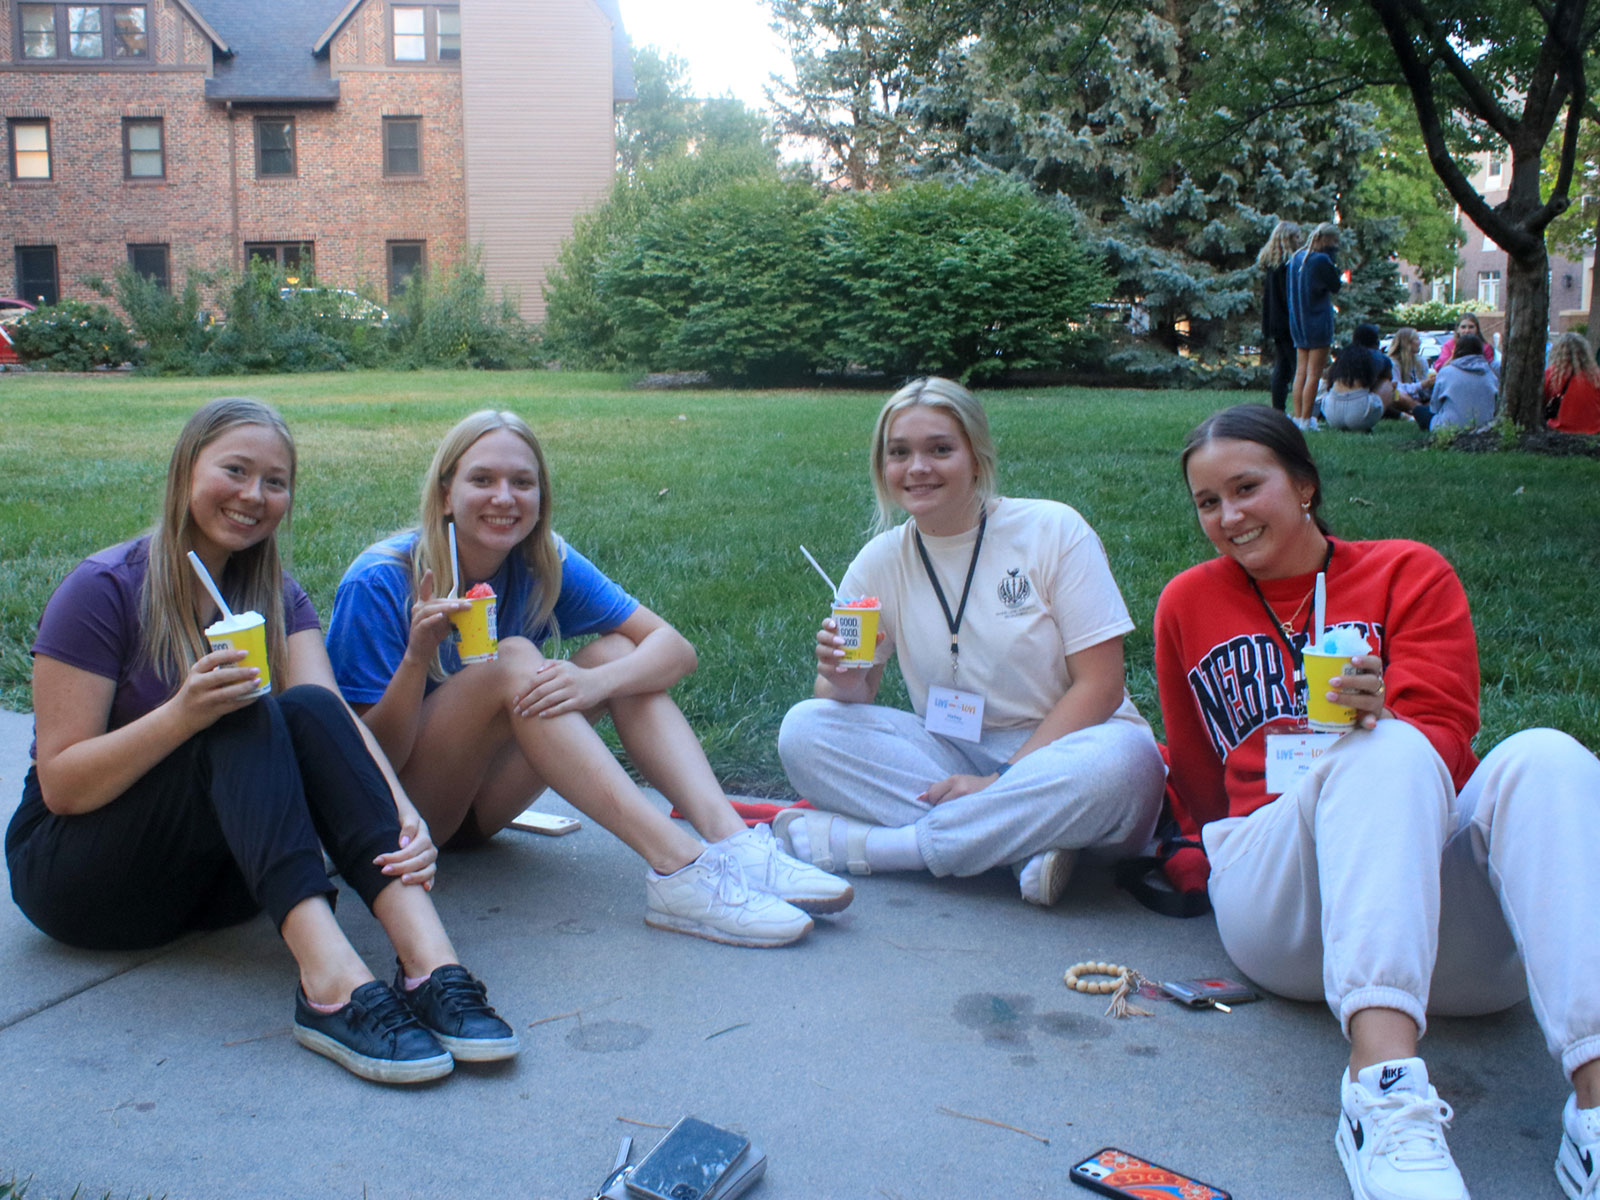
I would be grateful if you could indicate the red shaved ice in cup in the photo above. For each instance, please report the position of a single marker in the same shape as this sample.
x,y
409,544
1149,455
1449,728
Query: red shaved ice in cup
x,y
476,634
856,622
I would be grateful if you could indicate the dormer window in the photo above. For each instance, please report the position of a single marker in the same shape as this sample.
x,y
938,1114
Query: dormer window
x,y
83,32
425,33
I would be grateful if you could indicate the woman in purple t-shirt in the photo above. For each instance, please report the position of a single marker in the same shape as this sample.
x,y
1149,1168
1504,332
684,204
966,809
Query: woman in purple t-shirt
x,y
167,795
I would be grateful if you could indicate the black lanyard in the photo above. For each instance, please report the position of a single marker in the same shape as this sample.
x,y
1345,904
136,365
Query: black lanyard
x,y
954,622
1295,656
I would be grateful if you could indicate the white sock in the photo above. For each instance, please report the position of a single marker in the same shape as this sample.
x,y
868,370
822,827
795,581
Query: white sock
x,y
890,849
1028,877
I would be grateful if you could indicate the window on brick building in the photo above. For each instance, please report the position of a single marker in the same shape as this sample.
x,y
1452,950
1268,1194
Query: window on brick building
x,y
1489,289
297,259
405,260
274,146
37,279
153,260
80,32
402,145
30,149
144,148
422,33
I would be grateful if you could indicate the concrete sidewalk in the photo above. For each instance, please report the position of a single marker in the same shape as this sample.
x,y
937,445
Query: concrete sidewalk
x,y
846,1057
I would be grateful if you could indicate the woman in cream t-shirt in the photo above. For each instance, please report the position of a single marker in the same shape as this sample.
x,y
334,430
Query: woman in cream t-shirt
x,y
1023,745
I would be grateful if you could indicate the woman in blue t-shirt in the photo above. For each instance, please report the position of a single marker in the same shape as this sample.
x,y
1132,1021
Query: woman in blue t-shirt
x,y
169,794
475,743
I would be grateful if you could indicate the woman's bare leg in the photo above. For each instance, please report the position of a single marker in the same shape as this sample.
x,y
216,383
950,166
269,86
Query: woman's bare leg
x,y
466,724
664,749
1299,385
330,968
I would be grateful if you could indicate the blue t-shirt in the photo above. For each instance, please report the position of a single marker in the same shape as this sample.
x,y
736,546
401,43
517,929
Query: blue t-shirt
x,y
371,619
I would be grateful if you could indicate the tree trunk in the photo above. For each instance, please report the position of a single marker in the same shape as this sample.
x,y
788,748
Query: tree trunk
x,y
1527,315
1592,329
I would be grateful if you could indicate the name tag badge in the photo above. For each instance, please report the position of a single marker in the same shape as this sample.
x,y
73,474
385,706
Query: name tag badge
x,y
954,714
1291,755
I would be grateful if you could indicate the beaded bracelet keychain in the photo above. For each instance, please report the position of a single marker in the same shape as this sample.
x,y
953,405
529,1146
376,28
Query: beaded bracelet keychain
x,y
1120,983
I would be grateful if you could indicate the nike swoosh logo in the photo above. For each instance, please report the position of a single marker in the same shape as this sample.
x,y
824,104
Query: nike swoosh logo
x,y
1355,1131
1587,1160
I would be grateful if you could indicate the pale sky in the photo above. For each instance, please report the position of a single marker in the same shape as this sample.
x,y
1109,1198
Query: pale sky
x,y
728,44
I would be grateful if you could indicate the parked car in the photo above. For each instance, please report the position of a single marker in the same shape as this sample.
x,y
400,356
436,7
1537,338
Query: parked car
x,y
337,302
1433,341
13,310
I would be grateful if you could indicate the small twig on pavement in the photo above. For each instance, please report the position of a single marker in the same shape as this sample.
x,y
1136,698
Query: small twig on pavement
x,y
729,1029
642,1124
260,1037
577,1012
950,1112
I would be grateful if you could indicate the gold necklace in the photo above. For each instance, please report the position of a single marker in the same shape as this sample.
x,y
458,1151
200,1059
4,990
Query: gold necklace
x,y
1288,626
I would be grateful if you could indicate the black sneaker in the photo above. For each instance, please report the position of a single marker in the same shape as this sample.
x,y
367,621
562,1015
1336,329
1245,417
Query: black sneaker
x,y
375,1036
455,1008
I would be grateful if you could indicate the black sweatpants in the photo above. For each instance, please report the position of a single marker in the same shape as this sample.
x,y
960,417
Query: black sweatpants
x,y
1283,365
231,822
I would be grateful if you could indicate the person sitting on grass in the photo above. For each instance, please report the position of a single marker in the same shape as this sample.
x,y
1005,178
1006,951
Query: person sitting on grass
x,y
475,744
1385,870
1572,386
1465,390
1413,382
167,794
1000,607
1352,400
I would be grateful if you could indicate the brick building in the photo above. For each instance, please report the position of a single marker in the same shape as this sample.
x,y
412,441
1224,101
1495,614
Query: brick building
x,y
363,138
1482,273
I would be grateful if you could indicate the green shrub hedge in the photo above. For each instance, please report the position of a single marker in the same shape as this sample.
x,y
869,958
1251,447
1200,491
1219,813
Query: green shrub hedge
x,y
72,336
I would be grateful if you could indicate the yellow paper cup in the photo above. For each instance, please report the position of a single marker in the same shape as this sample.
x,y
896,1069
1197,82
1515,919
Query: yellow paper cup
x,y
1323,714
859,629
477,635
245,631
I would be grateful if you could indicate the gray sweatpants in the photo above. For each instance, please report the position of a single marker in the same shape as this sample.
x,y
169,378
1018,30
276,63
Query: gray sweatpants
x,y
1098,787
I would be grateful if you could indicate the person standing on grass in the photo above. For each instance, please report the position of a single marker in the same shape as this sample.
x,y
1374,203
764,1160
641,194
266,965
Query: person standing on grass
x,y
1572,386
166,795
1002,608
1387,870
1273,263
475,744
1312,279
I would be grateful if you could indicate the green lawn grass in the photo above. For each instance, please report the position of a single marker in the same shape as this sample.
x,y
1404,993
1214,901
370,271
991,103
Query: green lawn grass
x,y
696,501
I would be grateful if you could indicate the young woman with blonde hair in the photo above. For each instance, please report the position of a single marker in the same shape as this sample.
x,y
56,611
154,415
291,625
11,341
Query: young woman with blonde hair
x,y
1023,746
167,794
1273,263
475,743
1312,280
1572,386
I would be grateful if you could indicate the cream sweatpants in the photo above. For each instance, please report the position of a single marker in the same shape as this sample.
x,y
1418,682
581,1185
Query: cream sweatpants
x,y
1099,787
1376,880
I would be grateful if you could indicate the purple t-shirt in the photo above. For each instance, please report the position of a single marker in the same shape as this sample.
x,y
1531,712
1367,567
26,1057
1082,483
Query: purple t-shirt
x,y
92,622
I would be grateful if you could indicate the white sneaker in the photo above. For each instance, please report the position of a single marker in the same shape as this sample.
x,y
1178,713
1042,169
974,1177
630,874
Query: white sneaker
x,y
768,869
1311,425
1044,877
1578,1161
1391,1135
709,898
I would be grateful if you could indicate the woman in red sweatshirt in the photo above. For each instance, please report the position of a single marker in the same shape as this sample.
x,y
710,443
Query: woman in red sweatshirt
x,y
1386,869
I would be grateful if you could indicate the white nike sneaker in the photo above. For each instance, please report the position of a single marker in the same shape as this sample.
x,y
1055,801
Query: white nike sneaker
x,y
1578,1161
768,869
709,898
1391,1135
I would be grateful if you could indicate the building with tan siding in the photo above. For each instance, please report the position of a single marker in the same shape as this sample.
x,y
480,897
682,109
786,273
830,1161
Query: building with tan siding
x,y
362,139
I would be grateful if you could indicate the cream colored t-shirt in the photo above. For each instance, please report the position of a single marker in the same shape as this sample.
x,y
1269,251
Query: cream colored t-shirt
x,y
1042,590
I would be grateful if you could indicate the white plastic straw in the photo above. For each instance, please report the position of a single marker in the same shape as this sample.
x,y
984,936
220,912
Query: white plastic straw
x,y
455,564
1319,606
820,571
205,578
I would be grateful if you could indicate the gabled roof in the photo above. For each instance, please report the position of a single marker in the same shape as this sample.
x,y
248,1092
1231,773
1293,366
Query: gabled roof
x,y
205,28
271,59
622,84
